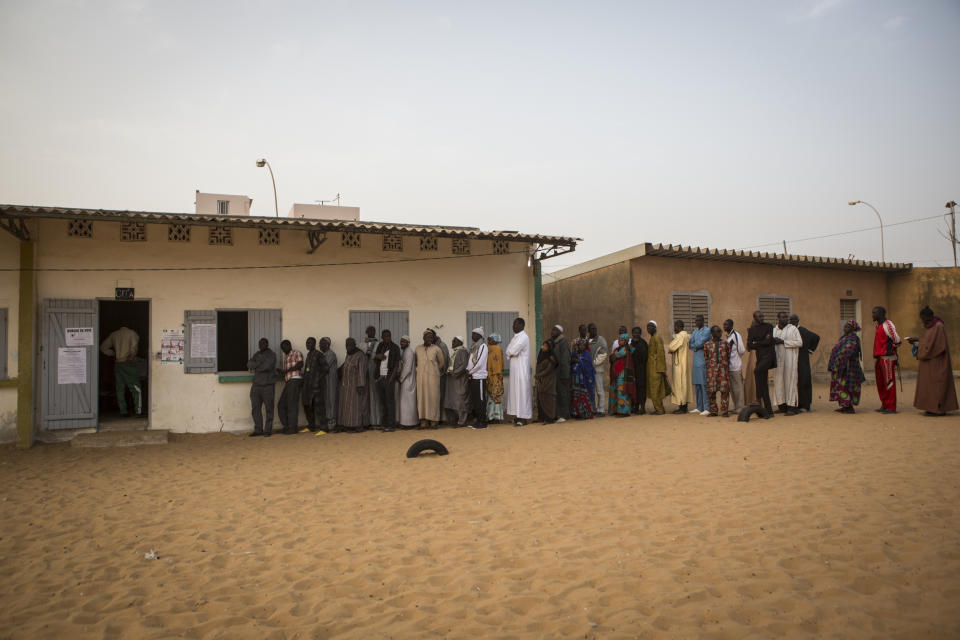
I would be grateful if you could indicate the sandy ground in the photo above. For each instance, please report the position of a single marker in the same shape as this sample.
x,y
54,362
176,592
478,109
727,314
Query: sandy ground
x,y
676,527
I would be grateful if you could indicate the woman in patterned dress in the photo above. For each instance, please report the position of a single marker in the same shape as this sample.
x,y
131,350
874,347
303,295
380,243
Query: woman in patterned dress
x,y
494,379
846,373
623,384
582,380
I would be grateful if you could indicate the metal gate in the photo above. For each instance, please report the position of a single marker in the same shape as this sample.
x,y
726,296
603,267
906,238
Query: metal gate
x,y
69,376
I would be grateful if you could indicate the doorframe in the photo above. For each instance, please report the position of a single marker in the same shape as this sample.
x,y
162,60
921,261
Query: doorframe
x,y
149,302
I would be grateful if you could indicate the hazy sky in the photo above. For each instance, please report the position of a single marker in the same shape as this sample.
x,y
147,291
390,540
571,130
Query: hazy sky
x,y
721,124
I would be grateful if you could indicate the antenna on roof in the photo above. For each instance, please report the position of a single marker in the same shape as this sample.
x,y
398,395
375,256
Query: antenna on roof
x,y
323,202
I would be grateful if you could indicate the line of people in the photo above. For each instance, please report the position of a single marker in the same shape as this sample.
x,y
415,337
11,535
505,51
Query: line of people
x,y
384,385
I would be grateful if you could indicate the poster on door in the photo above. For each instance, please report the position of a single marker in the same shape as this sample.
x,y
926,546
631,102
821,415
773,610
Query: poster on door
x,y
71,365
78,336
203,340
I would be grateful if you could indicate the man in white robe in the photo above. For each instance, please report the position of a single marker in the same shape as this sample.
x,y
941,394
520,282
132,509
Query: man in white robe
x,y
679,349
408,386
787,341
519,391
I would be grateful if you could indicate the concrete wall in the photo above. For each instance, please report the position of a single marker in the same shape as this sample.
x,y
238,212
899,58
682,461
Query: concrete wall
x,y
734,286
315,301
9,300
601,296
910,292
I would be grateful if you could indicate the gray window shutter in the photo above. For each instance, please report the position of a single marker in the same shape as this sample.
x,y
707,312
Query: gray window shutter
x,y
264,323
398,322
360,320
191,364
773,304
496,322
4,330
680,307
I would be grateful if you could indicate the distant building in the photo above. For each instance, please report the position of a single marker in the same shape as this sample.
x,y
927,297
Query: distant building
x,y
222,204
225,281
669,282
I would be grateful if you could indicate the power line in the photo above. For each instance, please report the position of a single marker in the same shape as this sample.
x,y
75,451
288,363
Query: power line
x,y
845,233
254,267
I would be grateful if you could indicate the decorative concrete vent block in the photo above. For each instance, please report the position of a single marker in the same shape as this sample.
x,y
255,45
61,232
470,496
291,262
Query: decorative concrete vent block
x,y
461,247
501,247
350,239
392,242
428,243
220,236
269,236
133,232
77,228
178,233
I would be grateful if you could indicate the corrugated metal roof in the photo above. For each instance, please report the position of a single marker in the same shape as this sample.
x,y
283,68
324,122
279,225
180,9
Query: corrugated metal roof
x,y
733,255
117,215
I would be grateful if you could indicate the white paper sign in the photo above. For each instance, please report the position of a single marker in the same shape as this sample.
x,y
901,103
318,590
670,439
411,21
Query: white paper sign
x,y
203,341
171,346
79,336
71,365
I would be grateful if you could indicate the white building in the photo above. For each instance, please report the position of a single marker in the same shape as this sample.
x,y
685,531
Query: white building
x,y
247,277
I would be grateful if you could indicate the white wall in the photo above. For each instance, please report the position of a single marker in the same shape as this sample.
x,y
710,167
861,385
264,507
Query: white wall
x,y
206,203
315,300
10,300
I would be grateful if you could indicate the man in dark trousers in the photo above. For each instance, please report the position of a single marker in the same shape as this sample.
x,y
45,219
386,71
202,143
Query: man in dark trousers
x,y
561,349
760,339
804,373
640,353
291,372
387,359
314,384
263,364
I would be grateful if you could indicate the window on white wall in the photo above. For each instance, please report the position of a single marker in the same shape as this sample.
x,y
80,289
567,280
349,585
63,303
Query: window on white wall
x,y
222,340
223,207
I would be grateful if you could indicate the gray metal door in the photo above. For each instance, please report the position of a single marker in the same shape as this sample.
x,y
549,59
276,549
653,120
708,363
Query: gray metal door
x,y
69,376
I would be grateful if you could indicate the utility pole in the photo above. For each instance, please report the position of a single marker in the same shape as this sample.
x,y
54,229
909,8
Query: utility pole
x,y
953,229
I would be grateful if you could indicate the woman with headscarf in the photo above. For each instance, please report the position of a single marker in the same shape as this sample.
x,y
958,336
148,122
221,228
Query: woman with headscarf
x,y
494,379
846,372
546,382
582,380
623,384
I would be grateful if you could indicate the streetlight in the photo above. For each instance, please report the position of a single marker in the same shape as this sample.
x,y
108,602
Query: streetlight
x,y
261,163
883,257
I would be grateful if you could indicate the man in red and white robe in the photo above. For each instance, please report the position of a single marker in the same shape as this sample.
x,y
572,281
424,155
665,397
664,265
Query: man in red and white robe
x,y
885,344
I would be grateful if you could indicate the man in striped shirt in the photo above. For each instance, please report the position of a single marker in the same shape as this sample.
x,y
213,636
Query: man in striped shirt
x,y
885,343
292,374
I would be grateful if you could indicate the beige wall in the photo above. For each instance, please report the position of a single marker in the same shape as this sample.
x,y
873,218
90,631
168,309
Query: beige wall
x,y
9,300
601,296
910,292
315,301
734,286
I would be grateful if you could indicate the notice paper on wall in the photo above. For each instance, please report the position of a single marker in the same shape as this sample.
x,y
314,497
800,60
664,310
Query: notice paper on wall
x,y
72,365
171,346
78,336
203,341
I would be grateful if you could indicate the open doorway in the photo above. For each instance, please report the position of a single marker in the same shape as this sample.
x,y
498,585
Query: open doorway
x,y
134,315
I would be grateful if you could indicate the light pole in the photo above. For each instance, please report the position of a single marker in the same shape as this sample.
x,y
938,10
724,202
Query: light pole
x,y
263,162
883,257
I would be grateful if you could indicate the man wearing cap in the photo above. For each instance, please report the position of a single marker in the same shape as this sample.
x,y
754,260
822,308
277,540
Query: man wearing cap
x,y
408,385
561,349
477,370
455,401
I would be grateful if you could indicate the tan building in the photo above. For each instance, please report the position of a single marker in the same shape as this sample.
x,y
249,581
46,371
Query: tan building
x,y
68,277
668,282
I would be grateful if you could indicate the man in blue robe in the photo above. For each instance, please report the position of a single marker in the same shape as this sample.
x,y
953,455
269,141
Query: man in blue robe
x,y
699,337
